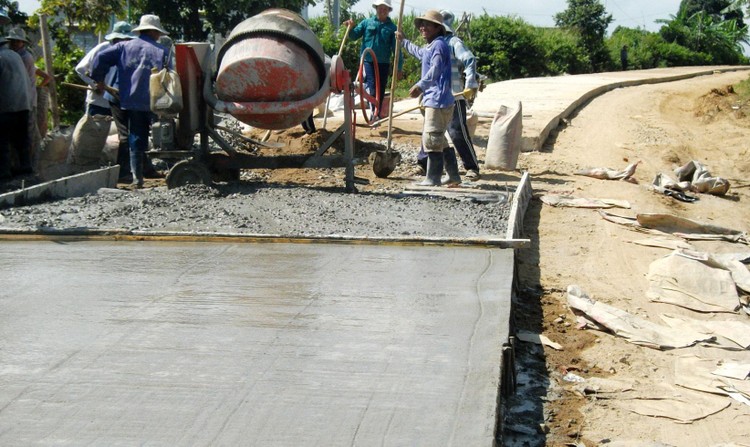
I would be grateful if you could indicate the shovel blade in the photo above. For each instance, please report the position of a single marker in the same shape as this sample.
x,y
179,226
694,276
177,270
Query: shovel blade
x,y
385,162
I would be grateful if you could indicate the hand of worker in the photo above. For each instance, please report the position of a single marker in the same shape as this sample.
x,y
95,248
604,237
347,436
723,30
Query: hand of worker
x,y
399,35
470,93
415,91
349,23
400,75
99,88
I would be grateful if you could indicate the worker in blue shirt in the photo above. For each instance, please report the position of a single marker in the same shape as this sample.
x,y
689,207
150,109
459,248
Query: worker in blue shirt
x,y
437,99
134,60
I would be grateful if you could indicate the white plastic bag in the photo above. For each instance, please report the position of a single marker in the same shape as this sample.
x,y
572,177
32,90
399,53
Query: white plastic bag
x,y
504,143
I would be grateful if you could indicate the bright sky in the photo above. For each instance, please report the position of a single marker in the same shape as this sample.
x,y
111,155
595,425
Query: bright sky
x,y
628,13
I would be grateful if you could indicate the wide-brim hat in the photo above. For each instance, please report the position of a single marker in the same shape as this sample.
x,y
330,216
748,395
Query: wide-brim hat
x,y
448,19
17,34
150,22
431,15
387,3
120,30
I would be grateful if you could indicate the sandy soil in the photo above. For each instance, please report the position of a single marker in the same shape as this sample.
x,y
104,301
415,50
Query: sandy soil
x,y
663,126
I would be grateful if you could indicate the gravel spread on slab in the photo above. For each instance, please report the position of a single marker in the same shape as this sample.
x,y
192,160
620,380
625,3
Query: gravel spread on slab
x,y
249,208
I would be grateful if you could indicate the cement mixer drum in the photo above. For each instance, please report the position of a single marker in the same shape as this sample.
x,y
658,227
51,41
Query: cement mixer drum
x,y
271,58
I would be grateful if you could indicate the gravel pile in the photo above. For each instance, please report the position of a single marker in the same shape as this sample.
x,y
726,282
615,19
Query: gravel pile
x,y
250,208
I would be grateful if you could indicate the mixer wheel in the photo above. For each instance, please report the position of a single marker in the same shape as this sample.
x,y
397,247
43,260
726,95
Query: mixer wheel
x,y
188,172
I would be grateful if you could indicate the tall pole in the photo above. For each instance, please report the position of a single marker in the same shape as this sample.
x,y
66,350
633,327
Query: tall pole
x,y
47,50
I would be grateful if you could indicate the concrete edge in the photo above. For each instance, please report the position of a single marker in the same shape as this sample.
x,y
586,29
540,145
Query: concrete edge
x,y
79,234
71,186
537,143
518,208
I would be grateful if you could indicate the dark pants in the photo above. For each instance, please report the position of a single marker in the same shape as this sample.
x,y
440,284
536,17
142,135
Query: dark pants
x,y
14,136
383,73
309,125
122,120
139,125
92,110
459,133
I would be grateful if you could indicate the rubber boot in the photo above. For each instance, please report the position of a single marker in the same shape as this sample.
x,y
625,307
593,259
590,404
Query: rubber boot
x,y
434,169
451,167
136,167
422,161
123,159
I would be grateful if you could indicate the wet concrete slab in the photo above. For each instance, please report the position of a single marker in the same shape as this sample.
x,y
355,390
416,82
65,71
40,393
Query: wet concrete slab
x,y
125,343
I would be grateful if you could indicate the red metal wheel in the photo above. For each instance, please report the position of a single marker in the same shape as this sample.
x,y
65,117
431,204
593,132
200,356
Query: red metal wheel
x,y
366,99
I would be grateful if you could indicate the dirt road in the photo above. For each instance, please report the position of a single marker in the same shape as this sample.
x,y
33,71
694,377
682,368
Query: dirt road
x,y
663,126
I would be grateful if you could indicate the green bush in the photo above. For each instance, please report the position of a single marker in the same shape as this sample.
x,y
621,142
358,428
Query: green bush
x,y
71,102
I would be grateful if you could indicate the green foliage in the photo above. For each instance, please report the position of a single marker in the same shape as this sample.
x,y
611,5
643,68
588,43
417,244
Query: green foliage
x,y
719,40
11,7
509,48
71,102
590,19
90,15
193,20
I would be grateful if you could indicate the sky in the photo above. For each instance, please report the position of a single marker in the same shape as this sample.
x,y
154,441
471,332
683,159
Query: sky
x,y
627,13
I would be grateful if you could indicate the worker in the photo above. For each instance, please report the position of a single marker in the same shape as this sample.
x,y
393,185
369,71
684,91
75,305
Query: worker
x,y
377,33
435,88
464,85
134,60
108,103
15,104
97,104
17,41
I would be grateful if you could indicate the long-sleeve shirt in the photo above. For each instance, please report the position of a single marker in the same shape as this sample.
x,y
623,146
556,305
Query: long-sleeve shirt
x,y
134,60
14,82
84,69
380,36
435,82
463,65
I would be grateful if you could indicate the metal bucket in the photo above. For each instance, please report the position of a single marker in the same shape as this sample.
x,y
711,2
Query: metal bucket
x,y
272,63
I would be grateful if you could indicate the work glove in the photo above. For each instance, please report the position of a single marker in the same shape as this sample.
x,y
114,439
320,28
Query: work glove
x,y
470,94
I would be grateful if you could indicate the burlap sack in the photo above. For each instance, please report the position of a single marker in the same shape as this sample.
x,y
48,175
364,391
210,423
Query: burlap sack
x,y
504,143
89,137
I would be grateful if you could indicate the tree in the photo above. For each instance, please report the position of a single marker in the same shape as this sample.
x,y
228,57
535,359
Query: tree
x,y
91,15
195,19
16,16
590,19
719,10
719,40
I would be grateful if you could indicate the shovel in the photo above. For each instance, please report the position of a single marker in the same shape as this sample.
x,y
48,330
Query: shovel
x,y
411,109
385,161
341,50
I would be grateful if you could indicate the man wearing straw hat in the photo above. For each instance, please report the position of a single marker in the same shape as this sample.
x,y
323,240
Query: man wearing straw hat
x,y
377,32
134,60
17,41
14,112
437,99
107,103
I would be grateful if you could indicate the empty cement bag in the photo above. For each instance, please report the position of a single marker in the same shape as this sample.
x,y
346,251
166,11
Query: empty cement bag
x,y
165,91
504,143
89,137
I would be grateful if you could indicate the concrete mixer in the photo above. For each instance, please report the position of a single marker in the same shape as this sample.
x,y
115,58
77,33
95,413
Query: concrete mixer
x,y
270,73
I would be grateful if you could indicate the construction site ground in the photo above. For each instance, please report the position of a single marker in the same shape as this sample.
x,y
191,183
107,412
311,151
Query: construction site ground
x,y
662,118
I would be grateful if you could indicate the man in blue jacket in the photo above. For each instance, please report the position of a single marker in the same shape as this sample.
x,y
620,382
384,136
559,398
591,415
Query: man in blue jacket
x,y
435,88
134,60
378,32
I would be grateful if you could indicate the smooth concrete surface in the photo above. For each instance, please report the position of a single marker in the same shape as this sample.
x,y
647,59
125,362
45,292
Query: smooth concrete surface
x,y
547,100
166,344
73,186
